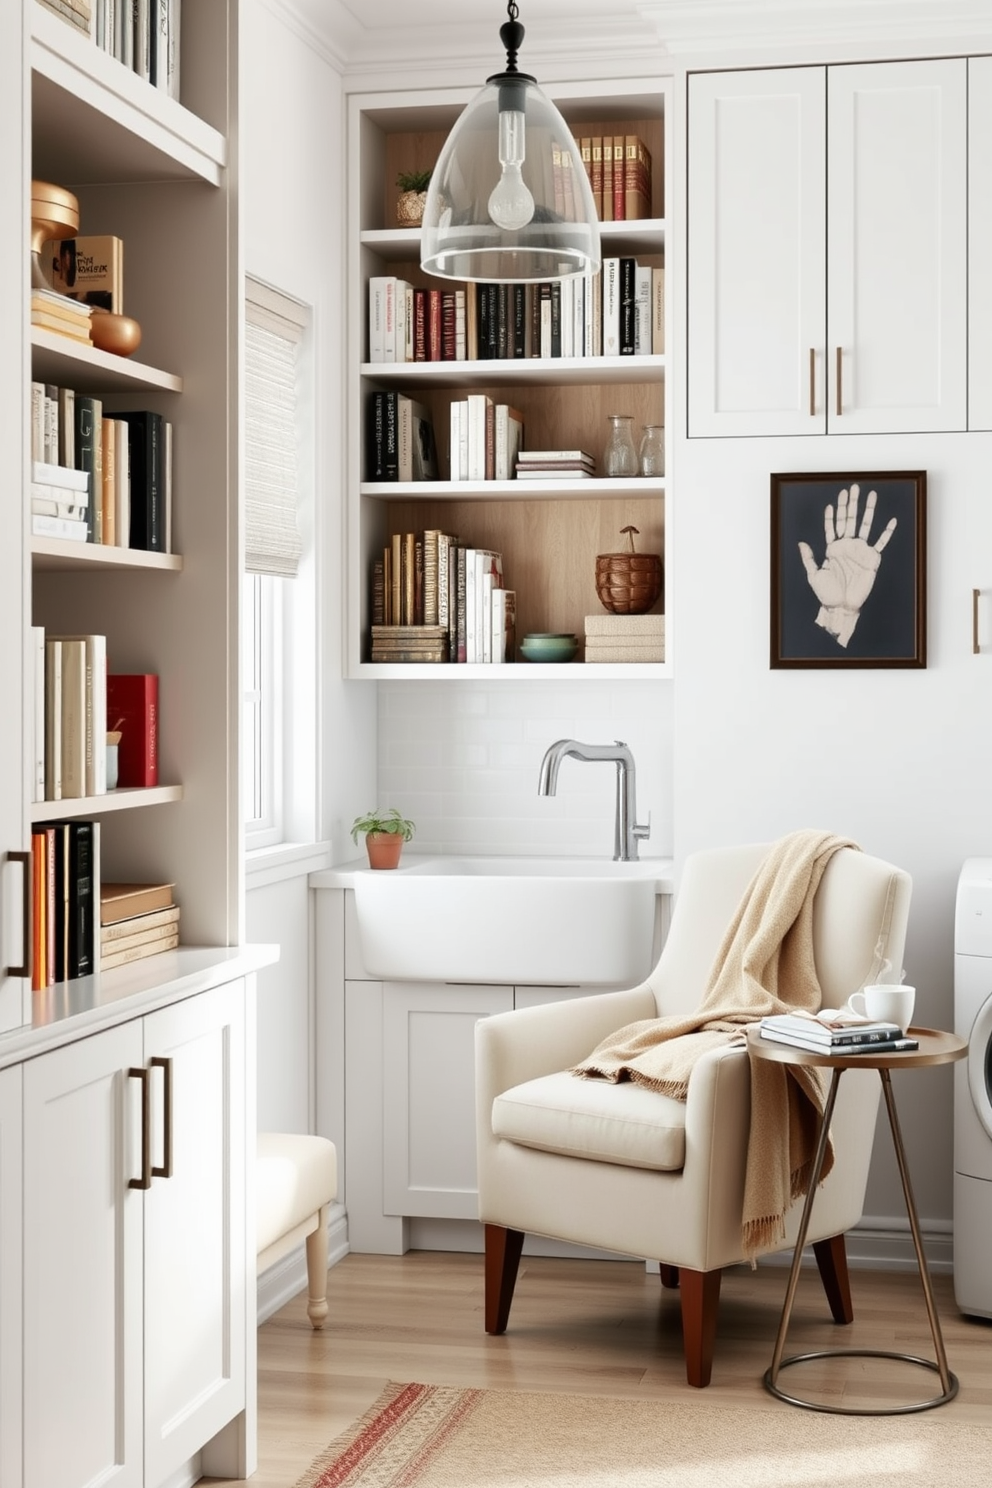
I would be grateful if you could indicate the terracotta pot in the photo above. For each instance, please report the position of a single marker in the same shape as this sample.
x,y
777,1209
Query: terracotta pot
x,y
384,849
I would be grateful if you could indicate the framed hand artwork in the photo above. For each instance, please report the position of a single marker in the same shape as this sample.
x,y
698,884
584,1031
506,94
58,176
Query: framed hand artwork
x,y
848,569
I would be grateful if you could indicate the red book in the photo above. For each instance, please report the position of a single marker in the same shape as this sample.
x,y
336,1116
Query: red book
x,y
434,325
132,707
420,325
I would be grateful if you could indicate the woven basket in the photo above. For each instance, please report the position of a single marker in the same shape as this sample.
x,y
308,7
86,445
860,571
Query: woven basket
x,y
628,583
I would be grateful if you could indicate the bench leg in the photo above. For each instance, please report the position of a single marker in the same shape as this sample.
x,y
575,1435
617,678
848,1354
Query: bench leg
x,y
317,1271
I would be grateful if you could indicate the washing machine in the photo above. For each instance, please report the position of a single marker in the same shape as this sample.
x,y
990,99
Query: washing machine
x,y
973,1089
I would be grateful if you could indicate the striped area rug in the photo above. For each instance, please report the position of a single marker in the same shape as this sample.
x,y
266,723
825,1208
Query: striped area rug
x,y
438,1436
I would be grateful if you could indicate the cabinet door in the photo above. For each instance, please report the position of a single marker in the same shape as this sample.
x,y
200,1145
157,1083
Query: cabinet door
x,y
11,1470
897,245
195,1224
82,1265
756,214
428,1057
979,237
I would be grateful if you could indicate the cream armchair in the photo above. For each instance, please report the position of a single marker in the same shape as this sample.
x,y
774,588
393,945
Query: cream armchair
x,y
625,1169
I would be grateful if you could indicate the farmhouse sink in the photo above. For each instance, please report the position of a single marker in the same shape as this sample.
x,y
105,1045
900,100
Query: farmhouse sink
x,y
523,921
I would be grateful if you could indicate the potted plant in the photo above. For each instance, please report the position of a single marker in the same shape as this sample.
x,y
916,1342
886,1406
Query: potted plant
x,y
413,196
385,833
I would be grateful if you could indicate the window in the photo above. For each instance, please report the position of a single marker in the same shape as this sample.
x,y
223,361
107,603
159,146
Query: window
x,y
275,585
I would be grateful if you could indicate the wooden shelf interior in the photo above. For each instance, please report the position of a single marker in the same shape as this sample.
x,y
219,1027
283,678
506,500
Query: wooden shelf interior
x,y
549,548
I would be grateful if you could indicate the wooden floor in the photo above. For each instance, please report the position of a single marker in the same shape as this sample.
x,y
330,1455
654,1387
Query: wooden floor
x,y
594,1327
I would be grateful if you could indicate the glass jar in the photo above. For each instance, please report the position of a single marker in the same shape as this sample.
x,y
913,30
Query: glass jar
x,y
652,451
620,453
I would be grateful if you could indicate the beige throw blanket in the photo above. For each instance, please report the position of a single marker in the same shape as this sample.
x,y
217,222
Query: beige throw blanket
x,y
764,966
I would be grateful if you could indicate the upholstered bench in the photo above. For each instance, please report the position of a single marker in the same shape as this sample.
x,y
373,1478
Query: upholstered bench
x,y
296,1181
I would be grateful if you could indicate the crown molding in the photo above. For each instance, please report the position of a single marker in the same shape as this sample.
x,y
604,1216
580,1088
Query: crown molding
x,y
770,25
331,40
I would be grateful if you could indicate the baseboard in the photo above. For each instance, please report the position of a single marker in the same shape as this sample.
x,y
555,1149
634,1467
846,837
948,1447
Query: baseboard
x,y
288,1277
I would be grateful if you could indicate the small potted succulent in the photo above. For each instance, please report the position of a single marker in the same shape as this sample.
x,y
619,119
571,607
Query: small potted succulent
x,y
385,833
413,196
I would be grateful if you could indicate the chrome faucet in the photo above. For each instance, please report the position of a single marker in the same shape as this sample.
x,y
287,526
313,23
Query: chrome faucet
x,y
627,833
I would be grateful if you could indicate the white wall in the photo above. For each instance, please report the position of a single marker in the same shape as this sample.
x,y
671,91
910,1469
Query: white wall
x,y
292,123
463,760
898,760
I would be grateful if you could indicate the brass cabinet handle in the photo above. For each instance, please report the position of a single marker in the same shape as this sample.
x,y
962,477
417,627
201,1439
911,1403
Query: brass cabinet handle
x,y
812,382
165,1065
145,1181
975,647
839,380
24,970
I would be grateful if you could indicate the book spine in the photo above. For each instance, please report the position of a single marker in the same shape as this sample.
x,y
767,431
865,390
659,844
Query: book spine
x,y
139,952
391,466
448,330
132,709
39,904
606,214
611,307
642,309
461,649
89,455
140,924
619,197
396,578
596,176
81,899
628,309
420,325
434,332
404,438
658,311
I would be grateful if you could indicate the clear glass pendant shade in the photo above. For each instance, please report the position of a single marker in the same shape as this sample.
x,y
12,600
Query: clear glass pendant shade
x,y
509,199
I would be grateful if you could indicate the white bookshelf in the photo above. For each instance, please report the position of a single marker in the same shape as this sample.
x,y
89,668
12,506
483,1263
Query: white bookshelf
x,y
160,174
563,400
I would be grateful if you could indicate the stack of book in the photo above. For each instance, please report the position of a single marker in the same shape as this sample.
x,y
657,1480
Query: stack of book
x,y
136,920
625,638
69,715
410,643
59,502
619,171
400,444
486,438
65,870
127,458
806,1031
144,35
575,464
59,313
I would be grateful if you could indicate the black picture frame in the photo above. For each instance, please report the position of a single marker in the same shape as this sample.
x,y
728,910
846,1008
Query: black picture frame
x,y
848,569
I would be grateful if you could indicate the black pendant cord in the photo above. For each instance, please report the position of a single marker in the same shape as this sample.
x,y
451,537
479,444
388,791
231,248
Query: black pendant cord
x,y
511,34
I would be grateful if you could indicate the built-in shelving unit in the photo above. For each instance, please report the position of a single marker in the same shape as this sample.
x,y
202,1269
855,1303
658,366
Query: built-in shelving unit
x,y
157,173
549,537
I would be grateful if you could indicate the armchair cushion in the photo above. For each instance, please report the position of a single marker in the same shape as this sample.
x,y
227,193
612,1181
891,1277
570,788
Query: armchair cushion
x,y
627,1123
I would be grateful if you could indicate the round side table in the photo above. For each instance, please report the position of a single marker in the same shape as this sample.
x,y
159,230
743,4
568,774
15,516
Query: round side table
x,y
935,1047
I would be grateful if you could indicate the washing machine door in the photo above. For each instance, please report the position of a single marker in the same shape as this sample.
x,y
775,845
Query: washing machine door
x,y
980,1066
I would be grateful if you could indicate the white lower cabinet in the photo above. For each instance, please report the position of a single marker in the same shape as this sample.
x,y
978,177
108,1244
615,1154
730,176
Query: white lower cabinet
x,y
136,1276
11,1470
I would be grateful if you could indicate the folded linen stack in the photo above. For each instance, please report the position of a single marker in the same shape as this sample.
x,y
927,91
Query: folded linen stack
x,y
625,638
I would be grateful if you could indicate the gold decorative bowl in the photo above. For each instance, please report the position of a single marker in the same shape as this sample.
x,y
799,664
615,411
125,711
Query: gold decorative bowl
x,y
115,333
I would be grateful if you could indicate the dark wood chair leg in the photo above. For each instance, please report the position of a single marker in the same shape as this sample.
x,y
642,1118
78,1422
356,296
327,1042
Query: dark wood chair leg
x,y
669,1275
700,1299
503,1249
831,1258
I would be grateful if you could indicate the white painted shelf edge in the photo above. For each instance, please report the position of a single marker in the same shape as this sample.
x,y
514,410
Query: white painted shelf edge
x,y
116,800
93,370
402,243
54,553
551,370
597,489
526,672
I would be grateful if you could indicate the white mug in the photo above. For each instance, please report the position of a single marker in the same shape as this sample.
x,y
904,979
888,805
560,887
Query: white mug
x,y
885,1003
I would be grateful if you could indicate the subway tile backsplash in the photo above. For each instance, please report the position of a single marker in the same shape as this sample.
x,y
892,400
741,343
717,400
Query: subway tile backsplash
x,y
463,761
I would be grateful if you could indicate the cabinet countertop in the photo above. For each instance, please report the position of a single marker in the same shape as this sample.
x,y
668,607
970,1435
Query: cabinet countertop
x,y
85,1005
344,875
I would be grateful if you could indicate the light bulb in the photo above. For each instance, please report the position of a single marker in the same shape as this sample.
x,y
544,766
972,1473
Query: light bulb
x,y
511,205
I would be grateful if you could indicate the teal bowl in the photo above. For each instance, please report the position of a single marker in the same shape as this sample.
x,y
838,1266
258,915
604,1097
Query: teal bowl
x,y
547,646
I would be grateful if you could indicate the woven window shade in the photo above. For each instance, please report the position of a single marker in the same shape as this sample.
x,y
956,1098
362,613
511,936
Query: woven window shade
x,y
272,537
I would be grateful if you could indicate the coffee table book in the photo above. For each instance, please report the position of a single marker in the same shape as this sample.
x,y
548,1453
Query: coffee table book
x,y
810,1033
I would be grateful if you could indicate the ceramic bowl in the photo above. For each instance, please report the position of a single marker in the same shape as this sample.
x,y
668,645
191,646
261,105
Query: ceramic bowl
x,y
115,333
548,647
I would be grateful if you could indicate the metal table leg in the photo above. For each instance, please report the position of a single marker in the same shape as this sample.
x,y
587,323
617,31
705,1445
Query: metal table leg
x,y
949,1381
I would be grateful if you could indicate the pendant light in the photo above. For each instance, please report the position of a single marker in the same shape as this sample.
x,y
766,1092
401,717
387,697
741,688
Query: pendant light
x,y
509,199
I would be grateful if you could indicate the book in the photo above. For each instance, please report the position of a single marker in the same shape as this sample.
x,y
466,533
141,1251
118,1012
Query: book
x,y
107,494
113,945
89,455
45,524
894,1045
628,310
642,309
73,719
146,463
39,905
611,307
139,924
38,712
95,715
76,481
132,711
122,487
477,404
88,269
61,327
657,311
508,440
62,900
795,1025
124,901
424,446
53,720
83,890
382,289
124,957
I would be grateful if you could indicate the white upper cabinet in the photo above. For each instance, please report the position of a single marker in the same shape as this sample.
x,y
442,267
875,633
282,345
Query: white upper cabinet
x,y
979,237
757,245
827,249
